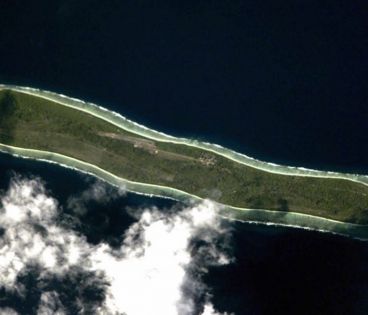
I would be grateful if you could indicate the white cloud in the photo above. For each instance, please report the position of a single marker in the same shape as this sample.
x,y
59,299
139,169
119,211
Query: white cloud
x,y
157,265
99,191
7,311
147,275
31,236
209,310
50,304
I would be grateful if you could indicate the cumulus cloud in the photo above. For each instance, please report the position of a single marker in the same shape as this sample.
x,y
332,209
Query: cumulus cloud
x,y
99,192
7,311
50,304
210,310
31,236
155,260
156,270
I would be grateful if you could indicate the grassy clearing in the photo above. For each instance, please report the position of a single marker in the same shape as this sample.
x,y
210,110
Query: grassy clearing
x,y
33,122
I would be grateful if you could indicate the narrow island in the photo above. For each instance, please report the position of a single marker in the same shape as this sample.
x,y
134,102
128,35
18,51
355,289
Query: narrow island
x,y
48,126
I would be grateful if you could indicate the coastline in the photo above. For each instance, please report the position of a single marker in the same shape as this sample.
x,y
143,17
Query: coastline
x,y
262,216
131,126
255,216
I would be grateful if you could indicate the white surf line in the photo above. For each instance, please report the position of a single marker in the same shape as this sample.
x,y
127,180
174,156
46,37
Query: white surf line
x,y
128,125
261,216
84,167
299,227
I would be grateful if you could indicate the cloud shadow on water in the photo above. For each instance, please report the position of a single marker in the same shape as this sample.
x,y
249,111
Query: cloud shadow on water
x,y
55,262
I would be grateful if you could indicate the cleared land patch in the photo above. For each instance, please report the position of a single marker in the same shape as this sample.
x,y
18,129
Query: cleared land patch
x,y
33,122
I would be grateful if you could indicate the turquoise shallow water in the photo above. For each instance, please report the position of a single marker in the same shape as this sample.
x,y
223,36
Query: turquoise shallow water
x,y
275,268
277,82
281,82
249,215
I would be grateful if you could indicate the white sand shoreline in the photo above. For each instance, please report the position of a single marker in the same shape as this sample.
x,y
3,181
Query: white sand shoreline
x,y
255,216
128,125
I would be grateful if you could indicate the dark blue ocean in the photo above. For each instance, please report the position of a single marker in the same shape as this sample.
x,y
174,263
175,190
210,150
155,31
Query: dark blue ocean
x,y
284,82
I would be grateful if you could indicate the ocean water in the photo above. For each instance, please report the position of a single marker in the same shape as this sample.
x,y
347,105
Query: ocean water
x,y
283,82
276,270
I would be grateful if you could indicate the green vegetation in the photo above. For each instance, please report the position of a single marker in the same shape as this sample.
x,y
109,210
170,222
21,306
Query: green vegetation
x,y
33,122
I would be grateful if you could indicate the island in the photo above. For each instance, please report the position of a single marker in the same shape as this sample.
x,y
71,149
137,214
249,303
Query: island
x,y
48,126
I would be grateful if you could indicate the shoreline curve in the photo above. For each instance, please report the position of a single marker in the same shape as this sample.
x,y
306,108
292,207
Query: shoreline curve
x,y
253,216
262,216
122,122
